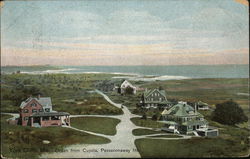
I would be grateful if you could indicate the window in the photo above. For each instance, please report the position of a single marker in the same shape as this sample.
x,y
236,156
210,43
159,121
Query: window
x,y
40,110
33,104
34,110
47,109
25,110
26,118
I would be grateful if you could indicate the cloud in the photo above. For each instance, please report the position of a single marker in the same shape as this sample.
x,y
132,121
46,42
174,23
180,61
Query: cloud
x,y
122,55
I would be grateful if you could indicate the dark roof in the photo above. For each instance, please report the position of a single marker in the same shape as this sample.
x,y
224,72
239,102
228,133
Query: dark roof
x,y
49,114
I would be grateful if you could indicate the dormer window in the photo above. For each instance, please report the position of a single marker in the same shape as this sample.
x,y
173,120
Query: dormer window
x,y
33,104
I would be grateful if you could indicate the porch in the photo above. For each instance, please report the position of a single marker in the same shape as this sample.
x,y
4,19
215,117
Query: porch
x,y
49,119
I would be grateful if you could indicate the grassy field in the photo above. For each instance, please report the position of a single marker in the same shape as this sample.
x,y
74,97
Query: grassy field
x,y
101,125
211,91
146,123
27,142
138,132
232,141
69,93
197,147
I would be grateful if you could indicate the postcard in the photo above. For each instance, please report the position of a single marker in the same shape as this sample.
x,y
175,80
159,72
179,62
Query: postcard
x,y
124,79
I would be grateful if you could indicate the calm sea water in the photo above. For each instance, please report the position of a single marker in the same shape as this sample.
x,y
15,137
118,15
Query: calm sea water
x,y
199,71
217,71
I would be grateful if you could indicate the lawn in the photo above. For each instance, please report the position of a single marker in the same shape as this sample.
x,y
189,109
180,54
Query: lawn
x,y
101,125
232,141
196,147
138,132
146,123
27,142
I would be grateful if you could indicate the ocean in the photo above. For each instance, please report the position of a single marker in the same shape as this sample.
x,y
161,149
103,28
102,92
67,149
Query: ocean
x,y
167,72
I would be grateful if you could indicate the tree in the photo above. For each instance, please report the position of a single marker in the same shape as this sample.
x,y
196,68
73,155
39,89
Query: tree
x,y
155,117
144,116
229,113
161,88
161,118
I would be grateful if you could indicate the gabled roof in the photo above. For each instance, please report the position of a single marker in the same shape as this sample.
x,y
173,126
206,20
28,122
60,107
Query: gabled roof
x,y
44,101
181,109
147,93
128,83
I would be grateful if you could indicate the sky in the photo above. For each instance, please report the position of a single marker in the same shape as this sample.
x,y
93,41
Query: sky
x,y
125,32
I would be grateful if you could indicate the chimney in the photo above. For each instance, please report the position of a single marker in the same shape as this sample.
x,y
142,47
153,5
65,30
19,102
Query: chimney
x,y
38,96
195,107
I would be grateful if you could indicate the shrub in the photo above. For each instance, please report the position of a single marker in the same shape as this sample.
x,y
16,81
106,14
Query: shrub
x,y
144,116
229,113
155,117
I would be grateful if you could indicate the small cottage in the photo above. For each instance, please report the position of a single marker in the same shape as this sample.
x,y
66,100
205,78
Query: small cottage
x,y
183,118
37,112
202,106
125,85
154,99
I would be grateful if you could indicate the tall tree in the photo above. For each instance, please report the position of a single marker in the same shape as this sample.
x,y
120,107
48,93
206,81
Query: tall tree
x,y
229,113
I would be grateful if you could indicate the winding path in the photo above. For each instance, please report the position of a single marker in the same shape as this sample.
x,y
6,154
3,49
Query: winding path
x,y
121,145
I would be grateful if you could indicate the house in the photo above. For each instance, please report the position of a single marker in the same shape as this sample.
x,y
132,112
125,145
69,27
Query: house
x,y
125,85
37,112
202,106
154,99
183,118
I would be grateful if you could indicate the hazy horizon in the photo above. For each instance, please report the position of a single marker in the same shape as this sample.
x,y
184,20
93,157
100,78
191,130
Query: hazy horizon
x,y
114,65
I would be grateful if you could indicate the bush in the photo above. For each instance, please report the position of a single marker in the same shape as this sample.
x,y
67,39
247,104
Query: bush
x,y
144,116
155,117
229,113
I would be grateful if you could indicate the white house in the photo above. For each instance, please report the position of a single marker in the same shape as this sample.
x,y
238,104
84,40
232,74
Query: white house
x,y
125,84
